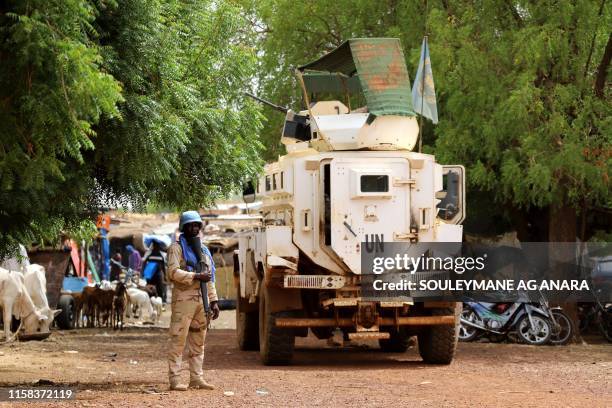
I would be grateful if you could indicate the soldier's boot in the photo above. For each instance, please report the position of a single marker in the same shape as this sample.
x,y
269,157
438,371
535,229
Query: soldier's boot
x,y
199,383
176,385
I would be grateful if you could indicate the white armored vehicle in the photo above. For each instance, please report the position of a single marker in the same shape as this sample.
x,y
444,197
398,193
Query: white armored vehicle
x,y
349,176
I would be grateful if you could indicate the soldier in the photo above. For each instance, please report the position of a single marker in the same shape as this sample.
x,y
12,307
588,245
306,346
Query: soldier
x,y
189,320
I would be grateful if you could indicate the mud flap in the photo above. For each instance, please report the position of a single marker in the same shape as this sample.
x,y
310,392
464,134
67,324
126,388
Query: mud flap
x,y
282,300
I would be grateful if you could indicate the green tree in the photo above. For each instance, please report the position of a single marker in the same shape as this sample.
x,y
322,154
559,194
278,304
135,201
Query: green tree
x,y
119,102
522,91
52,89
525,113
186,136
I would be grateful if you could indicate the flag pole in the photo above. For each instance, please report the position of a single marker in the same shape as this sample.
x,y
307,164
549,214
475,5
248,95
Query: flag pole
x,y
424,51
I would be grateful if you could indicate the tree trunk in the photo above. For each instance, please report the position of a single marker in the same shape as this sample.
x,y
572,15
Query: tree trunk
x,y
562,224
602,70
562,227
530,225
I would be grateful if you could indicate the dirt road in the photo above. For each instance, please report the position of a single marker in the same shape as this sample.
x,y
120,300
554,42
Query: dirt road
x,y
483,374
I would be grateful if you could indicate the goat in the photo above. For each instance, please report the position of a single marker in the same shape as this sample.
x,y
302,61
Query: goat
x,y
89,304
156,302
104,306
141,299
119,302
79,299
97,305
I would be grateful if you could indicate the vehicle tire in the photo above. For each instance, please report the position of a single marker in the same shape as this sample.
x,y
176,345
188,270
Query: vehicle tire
x,y
605,323
227,304
276,344
65,320
247,327
466,332
437,344
397,343
538,337
586,312
564,332
322,333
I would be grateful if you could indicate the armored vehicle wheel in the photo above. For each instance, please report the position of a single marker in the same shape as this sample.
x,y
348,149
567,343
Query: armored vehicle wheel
x,y
397,343
437,344
247,326
275,344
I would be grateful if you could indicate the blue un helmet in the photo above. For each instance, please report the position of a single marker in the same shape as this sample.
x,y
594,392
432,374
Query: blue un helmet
x,y
188,217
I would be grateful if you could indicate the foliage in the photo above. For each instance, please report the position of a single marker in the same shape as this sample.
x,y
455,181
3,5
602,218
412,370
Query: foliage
x,y
522,112
519,85
184,116
119,102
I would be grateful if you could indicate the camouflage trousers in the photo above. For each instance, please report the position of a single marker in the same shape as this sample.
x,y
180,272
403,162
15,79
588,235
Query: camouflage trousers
x,y
187,324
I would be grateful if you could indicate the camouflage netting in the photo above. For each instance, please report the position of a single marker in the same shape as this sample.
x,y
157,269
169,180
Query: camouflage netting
x,y
379,65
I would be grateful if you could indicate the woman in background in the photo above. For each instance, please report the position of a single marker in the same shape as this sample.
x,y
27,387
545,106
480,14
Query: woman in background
x,y
154,267
135,260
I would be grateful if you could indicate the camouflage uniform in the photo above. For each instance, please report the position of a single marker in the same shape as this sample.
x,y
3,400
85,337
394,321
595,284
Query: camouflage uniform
x,y
188,321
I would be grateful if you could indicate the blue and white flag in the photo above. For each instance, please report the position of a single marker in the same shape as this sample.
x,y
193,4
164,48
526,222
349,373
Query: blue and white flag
x,y
423,92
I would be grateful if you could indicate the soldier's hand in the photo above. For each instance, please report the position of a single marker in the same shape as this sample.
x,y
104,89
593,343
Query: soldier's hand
x,y
204,276
214,307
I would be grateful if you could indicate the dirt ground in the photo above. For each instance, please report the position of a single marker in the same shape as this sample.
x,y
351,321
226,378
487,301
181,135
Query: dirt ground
x,y
483,374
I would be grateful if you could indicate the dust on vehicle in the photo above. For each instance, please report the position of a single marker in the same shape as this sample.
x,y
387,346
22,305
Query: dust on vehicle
x,y
350,175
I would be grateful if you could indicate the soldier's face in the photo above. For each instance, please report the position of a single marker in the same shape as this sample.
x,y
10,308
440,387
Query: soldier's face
x,y
192,229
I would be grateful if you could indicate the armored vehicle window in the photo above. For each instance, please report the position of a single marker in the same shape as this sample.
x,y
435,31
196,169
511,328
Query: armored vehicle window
x,y
374,183
282,173
449,205
274,181
268,183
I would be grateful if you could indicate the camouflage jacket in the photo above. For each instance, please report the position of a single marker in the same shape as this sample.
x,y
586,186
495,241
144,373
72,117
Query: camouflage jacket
x,y
185,287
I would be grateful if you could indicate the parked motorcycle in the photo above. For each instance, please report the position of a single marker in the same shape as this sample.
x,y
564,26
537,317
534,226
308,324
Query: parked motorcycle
x,y
531,321
561,325
596,313
600,311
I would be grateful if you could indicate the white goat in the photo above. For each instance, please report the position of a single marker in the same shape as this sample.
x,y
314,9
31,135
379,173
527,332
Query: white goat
x,y
139,298
156,302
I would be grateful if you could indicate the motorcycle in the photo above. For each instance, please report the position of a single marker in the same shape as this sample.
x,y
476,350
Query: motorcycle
x,y
600,311
596,313
533,323
561,324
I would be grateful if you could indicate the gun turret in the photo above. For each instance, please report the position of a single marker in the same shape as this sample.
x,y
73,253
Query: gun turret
x,y
270,104
296,127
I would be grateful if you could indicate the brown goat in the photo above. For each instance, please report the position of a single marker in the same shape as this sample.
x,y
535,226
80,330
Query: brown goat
x,y
96,305
104,307
89,304
78,308
119,302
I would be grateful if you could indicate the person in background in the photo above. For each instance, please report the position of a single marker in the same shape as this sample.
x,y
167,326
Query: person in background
x,y
115,269
135,260
154,269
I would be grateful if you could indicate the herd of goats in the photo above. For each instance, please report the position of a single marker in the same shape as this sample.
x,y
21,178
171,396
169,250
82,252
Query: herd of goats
x,y
109,303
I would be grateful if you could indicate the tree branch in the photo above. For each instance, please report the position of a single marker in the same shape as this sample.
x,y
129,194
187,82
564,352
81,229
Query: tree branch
x,y
514,13
588,61
602,69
